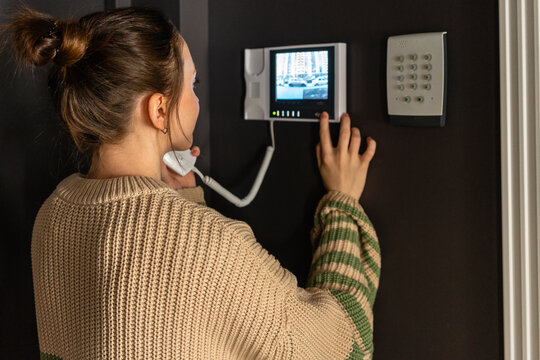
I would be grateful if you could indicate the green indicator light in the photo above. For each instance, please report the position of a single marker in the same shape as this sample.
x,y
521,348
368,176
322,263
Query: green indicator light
x,y
273,113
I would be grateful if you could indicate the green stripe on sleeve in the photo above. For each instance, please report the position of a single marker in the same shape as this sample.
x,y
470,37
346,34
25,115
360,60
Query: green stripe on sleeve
x,y
356,353
371,263
345,258
340,257
329,277
360,320
339,234
340,219
368,239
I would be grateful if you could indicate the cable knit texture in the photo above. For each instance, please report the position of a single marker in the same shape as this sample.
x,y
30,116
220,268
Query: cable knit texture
x,y
128,268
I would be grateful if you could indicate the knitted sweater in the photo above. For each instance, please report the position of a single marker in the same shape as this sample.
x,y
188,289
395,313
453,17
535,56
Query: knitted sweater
x,y
129,268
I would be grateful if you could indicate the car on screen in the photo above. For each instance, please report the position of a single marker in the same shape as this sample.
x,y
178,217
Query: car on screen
x,y
320,81
309,79
297,82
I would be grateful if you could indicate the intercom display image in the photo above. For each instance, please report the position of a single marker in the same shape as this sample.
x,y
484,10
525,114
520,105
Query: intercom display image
x,y
295,82
302,75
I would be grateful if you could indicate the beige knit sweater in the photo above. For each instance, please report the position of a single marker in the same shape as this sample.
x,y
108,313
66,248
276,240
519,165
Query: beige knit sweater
x,y
128,268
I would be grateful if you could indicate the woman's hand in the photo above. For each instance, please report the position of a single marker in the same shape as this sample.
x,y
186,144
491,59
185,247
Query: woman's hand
x,y
343,168
176,181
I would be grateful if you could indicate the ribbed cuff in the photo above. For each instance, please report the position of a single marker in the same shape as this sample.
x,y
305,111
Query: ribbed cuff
x,y
337,200
195,194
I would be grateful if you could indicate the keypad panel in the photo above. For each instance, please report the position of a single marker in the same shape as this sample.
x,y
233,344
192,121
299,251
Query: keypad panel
x,y
415,74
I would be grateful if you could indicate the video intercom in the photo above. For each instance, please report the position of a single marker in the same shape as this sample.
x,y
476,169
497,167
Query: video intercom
x,y
295,83
288,83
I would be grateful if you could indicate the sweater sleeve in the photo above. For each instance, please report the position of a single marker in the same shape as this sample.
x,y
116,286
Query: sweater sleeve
x,y
332,317
347,261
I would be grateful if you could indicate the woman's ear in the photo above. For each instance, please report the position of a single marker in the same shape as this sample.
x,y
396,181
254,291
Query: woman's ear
x,y
157,110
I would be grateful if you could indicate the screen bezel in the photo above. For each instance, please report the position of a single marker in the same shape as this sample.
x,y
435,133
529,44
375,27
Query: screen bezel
x,y
308,107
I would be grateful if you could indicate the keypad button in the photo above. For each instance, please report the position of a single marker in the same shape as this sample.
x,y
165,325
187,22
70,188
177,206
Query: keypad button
x,y
427,77
414,67
407,99
427,67
420,99
427,86
414,57
427,57
414,86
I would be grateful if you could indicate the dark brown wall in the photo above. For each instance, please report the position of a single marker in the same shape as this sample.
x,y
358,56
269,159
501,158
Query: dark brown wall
x,y
34,157
432,193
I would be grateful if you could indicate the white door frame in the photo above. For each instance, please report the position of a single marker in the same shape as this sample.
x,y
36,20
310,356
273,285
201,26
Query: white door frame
x,y
519,40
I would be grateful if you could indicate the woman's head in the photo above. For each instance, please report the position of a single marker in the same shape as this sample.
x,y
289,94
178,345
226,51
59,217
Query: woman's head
x,y
109,65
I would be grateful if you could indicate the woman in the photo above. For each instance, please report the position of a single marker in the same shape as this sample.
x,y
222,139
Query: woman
x,y
128,262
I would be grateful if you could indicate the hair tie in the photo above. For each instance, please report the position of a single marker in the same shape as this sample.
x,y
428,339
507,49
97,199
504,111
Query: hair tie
x,y
52,31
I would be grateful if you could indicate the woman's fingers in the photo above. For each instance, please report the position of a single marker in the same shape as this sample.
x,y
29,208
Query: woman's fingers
x,y
324,134
344,133
195,151
350,139
370,150
318,153
356,139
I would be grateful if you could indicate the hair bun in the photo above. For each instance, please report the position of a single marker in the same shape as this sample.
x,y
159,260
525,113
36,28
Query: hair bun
x,y
39,38
73,43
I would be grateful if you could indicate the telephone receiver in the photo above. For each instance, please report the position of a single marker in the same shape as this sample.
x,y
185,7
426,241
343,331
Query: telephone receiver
x,y
182,162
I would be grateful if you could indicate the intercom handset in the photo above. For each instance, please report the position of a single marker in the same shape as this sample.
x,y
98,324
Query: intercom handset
x,y
183,162
296,83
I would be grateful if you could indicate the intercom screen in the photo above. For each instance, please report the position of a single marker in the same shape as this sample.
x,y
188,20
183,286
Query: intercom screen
x,y
302,75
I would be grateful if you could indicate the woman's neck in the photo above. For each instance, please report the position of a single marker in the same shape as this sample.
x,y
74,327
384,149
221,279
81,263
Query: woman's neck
x,y
114,161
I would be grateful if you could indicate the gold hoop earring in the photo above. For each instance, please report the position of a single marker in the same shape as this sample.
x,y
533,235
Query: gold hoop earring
x,y
164,130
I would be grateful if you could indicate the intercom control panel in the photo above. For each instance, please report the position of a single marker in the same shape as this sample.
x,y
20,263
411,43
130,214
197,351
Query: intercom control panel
x,y
416,79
